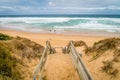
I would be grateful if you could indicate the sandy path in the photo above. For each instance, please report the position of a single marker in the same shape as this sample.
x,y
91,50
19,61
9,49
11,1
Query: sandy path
x,y
59,66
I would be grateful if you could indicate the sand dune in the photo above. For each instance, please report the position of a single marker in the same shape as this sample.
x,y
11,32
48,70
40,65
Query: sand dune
x,y
58,40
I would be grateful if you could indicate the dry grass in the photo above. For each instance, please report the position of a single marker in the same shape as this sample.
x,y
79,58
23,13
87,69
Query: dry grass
x,y
25,52
109,69
108,52
23,47
8,65
102,46
80,43
117,55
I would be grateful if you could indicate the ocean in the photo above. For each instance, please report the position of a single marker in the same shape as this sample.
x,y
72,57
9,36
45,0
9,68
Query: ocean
x,y
63,24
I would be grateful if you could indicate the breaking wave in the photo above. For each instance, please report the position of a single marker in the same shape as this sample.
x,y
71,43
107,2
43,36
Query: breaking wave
x,y
61,23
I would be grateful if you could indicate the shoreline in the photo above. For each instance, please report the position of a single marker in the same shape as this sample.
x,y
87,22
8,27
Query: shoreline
x,y
55,39
70,33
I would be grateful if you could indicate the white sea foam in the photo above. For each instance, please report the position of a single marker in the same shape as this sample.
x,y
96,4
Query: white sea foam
x,y
22,28
34,20
24,23
50,20
91,26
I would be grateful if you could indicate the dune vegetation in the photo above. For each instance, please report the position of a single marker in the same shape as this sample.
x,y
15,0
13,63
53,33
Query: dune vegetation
x,y
8,65
106,53
16,56
110,47
4,37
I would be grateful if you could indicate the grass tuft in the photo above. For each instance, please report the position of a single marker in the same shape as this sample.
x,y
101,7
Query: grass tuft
x,y
4,37
8,70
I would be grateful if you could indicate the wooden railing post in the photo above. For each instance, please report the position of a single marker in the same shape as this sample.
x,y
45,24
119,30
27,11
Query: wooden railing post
x,y
42,62
79,64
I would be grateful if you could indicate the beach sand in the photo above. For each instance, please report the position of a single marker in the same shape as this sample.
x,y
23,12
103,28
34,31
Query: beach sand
x,y
60,40
55,39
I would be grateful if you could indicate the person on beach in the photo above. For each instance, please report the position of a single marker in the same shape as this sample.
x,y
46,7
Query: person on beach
x,y
54,30
50,30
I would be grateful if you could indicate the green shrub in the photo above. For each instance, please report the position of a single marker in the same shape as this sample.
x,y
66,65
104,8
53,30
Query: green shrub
x,y
8,70
4,37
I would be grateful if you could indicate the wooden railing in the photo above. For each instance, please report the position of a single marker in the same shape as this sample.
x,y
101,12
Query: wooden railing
x,y
79,64
41,65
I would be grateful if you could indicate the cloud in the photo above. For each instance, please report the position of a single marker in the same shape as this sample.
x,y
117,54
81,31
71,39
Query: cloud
x,y
93,8
113,7
7,0
15,8
85,3
59,6
4,8
51,4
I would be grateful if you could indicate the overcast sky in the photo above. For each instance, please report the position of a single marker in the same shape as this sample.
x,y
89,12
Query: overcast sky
x,y
13,7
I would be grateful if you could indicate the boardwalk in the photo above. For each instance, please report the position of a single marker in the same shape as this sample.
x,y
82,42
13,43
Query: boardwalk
x,y
55,65
59,66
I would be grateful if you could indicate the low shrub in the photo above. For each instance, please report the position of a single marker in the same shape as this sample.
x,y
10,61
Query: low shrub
x,y
4,37
8,70
109,69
